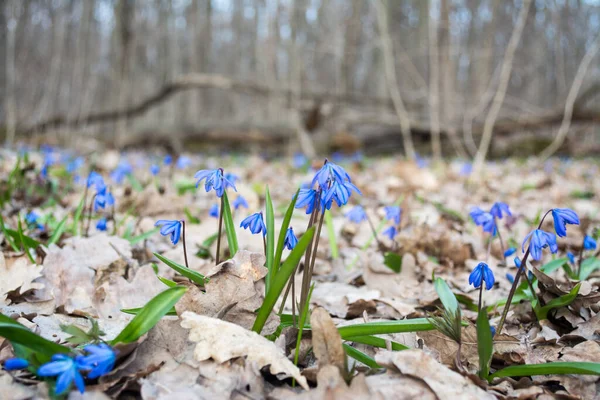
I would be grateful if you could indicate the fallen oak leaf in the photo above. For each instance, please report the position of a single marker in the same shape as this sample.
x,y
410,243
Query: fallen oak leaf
x,y
326,340
223,341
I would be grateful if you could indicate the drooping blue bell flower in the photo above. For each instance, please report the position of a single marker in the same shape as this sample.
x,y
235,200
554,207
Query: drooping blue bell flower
x,y
121,172
357,214
239,201
393,213
101,224
170,227
571,257
391,232
168,160
306,198
13,364
290,240
510,278
539,240
255,223
214,211
589,243
214,180
482,273
500,209
562,217
483,219
510,251
100,360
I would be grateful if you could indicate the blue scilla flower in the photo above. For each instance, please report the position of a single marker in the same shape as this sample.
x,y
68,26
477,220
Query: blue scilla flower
x,y
510,278
562,217
255,223
239,201
500,209
121,172
589,243
340,192
393,213
231,177
214,180
75,164
15,363
306,198
510,251
95,179
290,239
391,232
68,371
214,211
101,224
493,330
357,214
154,169
100,360
571,257
168,159
482,273
31,219
483,219
103,198
539,240
330,172
517,261
183,162
170,227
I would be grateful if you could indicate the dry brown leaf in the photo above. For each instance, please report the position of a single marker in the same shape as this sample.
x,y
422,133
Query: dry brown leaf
x,y
233,292
446,383
17,273
223,341
326,340
338,297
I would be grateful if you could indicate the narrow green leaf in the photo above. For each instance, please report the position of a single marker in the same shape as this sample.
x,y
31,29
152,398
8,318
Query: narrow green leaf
x,y
303,316
282,232
554,265
485,345
588,266
149,315
562,301
229,226
376,328
192,275
8,236
23,243
377,342
270,219
143,236
14,332
551,368
135,184
136,311
360,356
331,234
393,261
166,281
60,229
77,216
286,270
446,296
190,218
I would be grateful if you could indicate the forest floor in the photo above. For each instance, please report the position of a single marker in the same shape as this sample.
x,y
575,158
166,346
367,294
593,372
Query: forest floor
x,y
55,278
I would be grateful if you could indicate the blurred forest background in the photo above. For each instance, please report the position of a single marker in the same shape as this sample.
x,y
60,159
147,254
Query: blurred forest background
x,y
441,77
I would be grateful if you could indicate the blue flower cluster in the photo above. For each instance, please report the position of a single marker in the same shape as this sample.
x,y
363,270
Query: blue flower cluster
x,y
103,196
487,220
331,183
215,180
99,361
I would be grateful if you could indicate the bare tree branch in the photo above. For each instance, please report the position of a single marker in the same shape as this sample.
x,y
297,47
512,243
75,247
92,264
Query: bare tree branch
x,y
571,98
507,64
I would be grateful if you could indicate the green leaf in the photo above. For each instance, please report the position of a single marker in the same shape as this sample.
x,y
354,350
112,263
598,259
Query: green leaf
x,y
60,229
135,184
377,328
554,265
192,219
286,270
377,342
229,225
166,281
26,247
136,311
588,266
192,275
149,315
142,236
331,234
393,261
446,296
562,301
8,236
360,356
282,232
19,334
270,250
485,345
78,335
551,368
22,239
77,216
303,316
